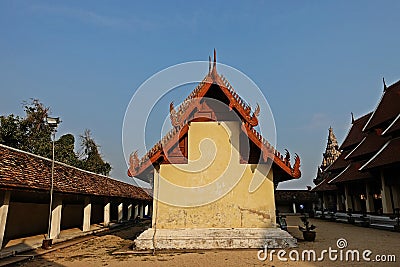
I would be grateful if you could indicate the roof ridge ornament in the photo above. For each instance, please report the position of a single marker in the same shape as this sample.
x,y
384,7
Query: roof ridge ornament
x,y
296,166
384,84
215,58
352,118
174,116
214,67
252,119
134,161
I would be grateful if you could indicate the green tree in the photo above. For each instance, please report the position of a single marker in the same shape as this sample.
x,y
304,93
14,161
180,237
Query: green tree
x,y
90,155
10,131
64,150
33,135
29,133
37,134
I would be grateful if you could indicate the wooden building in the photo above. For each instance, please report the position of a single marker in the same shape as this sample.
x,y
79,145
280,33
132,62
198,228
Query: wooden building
x,y
365,177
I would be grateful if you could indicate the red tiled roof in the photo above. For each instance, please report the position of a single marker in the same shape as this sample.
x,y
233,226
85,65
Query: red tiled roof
x,y
22,170
339,164
355,135
393,127
351,173
388,107
370,144
387,155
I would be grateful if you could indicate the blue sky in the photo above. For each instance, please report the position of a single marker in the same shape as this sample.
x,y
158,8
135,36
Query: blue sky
x,y
315,61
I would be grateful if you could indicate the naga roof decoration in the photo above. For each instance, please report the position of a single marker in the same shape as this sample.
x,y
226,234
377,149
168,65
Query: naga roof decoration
x,y
179,120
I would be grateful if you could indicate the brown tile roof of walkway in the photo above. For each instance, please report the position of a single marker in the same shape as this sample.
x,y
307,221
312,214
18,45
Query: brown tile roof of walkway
x,y
300,195
23,170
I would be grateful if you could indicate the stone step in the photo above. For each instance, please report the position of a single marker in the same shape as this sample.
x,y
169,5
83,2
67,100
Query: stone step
x,y
214,238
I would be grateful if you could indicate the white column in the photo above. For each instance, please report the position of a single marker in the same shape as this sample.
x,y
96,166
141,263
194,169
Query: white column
x,y
338,201
321,203
385,191
120,211
369,202
156,178
136,211
325,200
129,216
87,210
4,204
357,203
56,217
347,196
151,210
396,196
294,207
141,210
107,206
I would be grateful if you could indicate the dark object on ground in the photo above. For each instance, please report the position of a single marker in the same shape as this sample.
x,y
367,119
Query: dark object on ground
x,y
308,230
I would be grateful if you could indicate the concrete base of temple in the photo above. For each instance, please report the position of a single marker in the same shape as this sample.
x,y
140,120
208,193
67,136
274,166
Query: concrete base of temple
x,y
214,238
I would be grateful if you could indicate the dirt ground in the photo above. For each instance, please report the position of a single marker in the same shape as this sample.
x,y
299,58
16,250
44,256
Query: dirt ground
x,y
98,251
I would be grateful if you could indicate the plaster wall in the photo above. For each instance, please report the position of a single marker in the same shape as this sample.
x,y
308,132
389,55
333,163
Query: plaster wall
x,y
195,195
25,219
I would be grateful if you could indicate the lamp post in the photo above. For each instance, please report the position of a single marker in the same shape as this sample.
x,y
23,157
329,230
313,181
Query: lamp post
x,y
53,124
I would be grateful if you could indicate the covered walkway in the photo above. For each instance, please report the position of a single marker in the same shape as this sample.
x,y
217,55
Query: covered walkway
x,y
82,201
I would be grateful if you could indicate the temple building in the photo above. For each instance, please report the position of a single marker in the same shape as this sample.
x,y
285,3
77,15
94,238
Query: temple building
x,y
219,163
364,178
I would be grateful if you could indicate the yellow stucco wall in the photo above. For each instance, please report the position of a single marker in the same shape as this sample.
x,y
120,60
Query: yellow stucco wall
x,y
213,190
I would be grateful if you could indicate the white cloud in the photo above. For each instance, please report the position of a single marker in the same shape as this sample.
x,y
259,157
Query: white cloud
x,y
318,121
94,18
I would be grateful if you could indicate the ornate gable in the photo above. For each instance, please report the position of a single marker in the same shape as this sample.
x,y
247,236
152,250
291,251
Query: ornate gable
x,y
199,106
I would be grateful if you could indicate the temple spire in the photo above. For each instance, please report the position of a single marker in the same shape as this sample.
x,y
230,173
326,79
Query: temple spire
x,y
331,151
